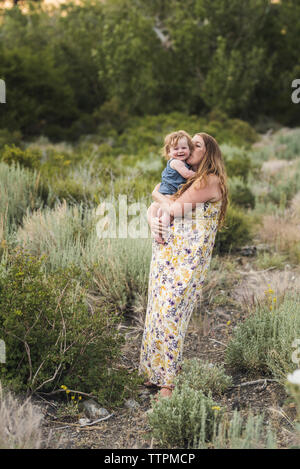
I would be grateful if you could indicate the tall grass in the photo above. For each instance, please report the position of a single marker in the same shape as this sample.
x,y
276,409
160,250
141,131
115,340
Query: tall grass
x,y
118,268
20,423
20,189
284,144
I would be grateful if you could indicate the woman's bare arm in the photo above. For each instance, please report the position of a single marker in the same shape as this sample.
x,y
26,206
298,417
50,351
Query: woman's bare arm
x,y
193,195
160,198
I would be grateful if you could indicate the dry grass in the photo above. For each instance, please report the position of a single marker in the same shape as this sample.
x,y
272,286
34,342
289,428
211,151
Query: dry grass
x,y
251,289
282,232
20,424
295,207
273,166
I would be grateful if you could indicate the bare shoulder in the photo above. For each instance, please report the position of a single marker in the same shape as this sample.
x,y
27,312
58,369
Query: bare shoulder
x,y
209,187
213,179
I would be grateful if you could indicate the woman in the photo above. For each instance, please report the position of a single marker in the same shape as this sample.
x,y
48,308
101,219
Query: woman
x,y
179,266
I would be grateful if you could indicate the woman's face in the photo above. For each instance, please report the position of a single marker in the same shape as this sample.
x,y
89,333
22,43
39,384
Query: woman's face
x,y
198,152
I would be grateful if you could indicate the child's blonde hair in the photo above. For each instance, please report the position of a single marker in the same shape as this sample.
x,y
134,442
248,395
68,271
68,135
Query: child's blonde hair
x,y
172,139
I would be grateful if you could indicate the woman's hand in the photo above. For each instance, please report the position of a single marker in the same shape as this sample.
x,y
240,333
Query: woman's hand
x,y
157,228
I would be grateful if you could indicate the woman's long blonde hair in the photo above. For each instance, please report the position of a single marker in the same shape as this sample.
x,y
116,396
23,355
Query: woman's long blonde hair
x,y
211,163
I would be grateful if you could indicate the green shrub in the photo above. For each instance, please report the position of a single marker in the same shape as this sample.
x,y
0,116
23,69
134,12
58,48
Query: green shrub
x,y
10,138
244,433
263,342
204,376
119,268
27,158
121,276
238,230
53,335
265,260
283,186
20,189
288,145
238,162
187,419
240,194
70,190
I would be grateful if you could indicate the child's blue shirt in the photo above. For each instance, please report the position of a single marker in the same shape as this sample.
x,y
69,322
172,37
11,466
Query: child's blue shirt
x,y
171,179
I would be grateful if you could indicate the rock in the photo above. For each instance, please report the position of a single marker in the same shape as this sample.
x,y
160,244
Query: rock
x,y
131,404
93,410
144,394
248,251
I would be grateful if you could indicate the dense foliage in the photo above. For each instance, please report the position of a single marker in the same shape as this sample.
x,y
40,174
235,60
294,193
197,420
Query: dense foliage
x,y
53,335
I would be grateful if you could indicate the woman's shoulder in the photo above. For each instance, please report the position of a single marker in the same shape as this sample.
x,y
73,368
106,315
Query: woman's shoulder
x,y
211,186
208,180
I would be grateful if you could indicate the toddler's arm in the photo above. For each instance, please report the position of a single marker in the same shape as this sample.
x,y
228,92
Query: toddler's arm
x,y
180,167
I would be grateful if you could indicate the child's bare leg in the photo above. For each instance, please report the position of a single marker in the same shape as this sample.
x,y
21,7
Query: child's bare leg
x,y
154,211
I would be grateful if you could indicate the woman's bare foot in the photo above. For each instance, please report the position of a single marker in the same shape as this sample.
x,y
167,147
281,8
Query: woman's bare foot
x,y
165,391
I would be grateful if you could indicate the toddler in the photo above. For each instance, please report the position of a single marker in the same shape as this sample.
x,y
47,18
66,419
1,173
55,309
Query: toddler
x,y
178,147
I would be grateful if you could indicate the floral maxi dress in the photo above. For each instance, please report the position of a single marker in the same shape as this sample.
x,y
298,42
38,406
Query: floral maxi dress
x,y
177,273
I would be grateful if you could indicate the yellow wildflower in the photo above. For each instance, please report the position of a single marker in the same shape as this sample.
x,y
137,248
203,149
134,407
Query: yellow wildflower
x,y
228,323
216,407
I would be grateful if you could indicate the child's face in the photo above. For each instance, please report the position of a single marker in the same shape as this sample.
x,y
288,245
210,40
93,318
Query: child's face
x,y
180,150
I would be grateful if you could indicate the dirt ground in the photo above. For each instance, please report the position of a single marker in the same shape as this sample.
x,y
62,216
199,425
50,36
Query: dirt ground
x,y
128,429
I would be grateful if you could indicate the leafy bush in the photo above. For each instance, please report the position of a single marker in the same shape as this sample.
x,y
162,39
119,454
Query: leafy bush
x,y
53,336
240,194
203,376
187,419
283,186
263,342
288,144
26,158
9,138
238,162
238,230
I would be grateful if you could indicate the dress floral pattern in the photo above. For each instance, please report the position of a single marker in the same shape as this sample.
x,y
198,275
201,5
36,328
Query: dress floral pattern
x,y
177,273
